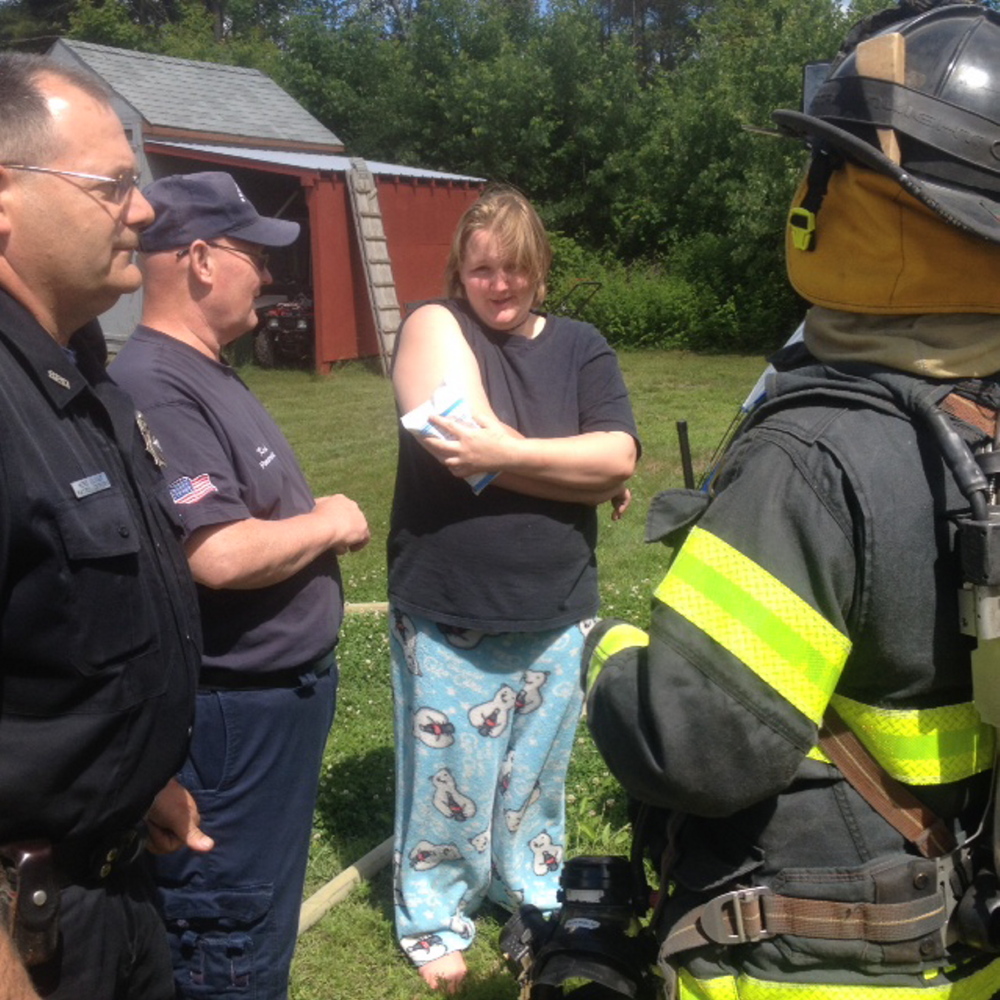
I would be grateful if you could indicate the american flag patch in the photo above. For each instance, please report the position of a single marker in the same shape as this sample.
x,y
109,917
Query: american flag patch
x,y
187,490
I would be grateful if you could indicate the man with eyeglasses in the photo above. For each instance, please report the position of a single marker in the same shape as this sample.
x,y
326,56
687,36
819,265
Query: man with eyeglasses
x,y
264,555
99,632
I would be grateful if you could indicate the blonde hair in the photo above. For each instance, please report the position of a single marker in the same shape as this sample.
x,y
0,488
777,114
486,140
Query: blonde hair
x,y
506,215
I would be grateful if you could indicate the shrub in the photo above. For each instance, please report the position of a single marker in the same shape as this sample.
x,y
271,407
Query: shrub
x,y
638,305
755,307
697,300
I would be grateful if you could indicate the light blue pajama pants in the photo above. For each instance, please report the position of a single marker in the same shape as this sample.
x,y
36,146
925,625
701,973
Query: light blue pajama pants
x,y
484,730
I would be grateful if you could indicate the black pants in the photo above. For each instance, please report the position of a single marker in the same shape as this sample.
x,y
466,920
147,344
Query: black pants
x,y
112,945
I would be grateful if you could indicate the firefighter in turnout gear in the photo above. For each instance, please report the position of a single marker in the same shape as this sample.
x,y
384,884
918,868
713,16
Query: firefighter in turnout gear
x,y
799,717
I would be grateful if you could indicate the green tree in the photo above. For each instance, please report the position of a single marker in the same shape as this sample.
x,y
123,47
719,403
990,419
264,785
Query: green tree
x,y
703,192
490,88
159,25
191,33
33,25
598,114
110,22
659,31
624,120
357,81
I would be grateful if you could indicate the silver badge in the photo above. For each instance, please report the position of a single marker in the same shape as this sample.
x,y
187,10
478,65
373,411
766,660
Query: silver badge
x,y
152,445
58,379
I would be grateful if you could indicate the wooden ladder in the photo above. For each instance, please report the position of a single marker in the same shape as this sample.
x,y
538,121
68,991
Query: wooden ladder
x,y
375,257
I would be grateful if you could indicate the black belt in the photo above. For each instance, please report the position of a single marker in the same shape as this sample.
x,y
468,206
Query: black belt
x,y
83,860
32,873
217,679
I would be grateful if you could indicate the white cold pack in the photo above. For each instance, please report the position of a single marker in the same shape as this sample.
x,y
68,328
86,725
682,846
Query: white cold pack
x,y
446,401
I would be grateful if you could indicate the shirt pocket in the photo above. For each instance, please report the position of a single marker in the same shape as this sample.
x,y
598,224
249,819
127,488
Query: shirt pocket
x,y
97,527
106,616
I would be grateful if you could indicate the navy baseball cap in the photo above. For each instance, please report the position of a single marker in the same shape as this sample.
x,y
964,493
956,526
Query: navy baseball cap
x,y
205,206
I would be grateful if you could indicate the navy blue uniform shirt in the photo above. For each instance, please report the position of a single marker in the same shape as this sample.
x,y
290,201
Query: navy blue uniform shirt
x,y
98,621
227,461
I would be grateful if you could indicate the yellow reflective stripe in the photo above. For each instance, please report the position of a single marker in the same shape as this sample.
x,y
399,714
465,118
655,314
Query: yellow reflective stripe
x,y
617,638
981,985
927,746
758,619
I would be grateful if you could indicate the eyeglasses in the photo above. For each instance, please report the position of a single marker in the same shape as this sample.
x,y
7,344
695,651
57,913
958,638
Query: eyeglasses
x,y
258,258
121,185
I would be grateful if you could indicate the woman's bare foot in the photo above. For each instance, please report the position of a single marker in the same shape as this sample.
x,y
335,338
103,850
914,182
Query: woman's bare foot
x,y
445,973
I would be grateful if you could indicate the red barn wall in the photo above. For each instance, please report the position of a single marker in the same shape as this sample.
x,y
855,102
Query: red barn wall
x,y
419,217
344,327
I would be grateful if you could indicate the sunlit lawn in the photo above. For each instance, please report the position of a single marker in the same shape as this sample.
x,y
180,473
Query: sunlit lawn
x,y
342,427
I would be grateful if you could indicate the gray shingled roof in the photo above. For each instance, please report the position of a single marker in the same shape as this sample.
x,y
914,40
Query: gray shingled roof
x,y
202,96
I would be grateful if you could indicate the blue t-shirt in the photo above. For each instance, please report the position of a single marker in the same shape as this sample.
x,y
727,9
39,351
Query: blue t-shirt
x,y
502,561
227,461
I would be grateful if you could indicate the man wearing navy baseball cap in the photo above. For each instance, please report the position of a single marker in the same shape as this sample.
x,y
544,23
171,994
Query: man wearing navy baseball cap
x,y
205,206
263,553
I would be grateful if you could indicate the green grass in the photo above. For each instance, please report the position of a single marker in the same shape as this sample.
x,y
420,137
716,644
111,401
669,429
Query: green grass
x,y
342,427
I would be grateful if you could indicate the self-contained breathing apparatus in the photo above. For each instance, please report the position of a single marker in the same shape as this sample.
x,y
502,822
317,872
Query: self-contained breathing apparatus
x,y
978,915
597,938
915,109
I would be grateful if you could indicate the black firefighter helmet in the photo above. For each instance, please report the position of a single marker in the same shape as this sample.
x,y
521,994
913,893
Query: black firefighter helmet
x,y
917,98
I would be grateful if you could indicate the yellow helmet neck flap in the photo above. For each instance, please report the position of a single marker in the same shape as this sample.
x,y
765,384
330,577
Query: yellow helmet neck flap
x,y
877,249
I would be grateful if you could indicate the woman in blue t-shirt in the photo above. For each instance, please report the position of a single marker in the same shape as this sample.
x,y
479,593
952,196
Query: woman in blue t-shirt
x,y
492,581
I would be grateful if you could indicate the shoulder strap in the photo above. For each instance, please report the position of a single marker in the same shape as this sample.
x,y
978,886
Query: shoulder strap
x,y
891,799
